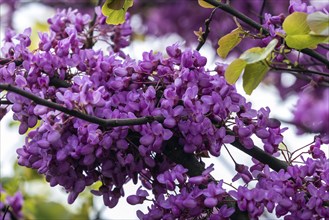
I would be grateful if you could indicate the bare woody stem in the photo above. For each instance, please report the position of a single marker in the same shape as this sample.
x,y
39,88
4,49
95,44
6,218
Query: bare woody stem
x,y
261,156
205,34
259,27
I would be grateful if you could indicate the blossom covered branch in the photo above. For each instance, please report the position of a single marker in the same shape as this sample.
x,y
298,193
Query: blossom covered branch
x,y
109,119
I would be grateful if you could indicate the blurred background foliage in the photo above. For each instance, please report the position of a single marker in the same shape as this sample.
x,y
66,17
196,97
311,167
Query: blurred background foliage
x,y
39,201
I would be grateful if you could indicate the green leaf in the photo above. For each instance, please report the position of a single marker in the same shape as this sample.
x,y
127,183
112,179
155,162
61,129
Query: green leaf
x,y
299,32
282,147
257,54
300,42
234,70
253,75
204,4
318,23
296,24
115,10
228,42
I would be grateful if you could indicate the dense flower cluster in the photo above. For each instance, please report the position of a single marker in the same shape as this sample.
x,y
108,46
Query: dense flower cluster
x,y
301,192
198,109
188,198
187,106
10,206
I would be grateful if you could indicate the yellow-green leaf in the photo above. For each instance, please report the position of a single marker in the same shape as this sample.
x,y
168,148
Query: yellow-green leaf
x,y
234,70
296,24
257,54
253,75
299,33
228,42
282,147
318,23
300,42
115,10
204,4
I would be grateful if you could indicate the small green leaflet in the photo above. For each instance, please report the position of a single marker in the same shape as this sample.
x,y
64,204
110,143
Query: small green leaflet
x,y
256,54
253,63
282,147
234,70
228,42
204,4
253,75
115,10
299,34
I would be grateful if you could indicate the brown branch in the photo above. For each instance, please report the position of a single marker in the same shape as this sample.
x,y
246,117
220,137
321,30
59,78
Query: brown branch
x,y
89,41
300,71
59,83
255,152
4,61
5,102
106,123
261,12
261,156
205,34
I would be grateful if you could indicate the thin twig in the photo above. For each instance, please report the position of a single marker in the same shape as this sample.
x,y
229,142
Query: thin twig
x,y
261,12
4,61
300,71
260,155
5,102
205,34
89,41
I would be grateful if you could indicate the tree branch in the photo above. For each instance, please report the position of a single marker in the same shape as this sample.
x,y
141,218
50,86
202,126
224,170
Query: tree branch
x,y
89,41
4,61
5,102
316,56
300,71
255,152
260,28
205,34
261,12
242,17
96,120
262,156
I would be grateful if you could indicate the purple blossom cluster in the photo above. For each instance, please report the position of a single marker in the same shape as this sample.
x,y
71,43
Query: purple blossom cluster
x,y
198,108
300,192
187,198
11,206
200,113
